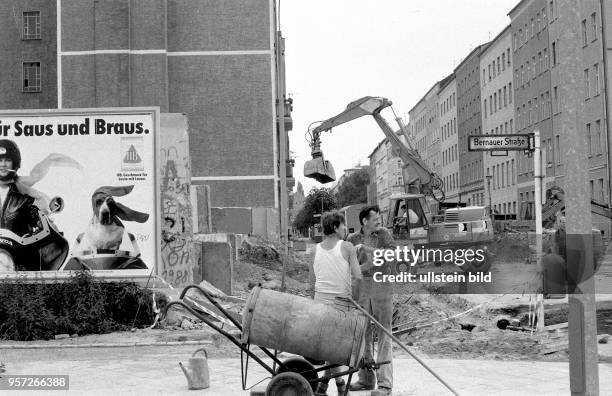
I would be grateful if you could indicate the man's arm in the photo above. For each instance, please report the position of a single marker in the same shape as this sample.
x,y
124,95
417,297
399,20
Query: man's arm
x,y
311,274
352,259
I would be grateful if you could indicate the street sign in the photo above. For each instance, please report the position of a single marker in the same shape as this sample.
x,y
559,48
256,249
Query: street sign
x,y
500,142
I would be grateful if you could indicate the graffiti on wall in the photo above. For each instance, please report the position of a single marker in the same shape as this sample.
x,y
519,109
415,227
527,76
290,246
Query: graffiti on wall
x,y
177,248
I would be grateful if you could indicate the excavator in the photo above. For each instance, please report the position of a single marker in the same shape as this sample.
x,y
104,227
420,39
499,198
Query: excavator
x,y
418,216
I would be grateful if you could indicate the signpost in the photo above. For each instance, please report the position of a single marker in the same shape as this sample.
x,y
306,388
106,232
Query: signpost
x,y
500,142
497,144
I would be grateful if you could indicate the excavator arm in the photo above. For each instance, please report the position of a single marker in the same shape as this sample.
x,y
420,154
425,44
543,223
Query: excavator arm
x,y
416,172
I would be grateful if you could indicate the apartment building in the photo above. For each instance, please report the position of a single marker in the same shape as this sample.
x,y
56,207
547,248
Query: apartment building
x,y
498,118
449,141
467,74
385,177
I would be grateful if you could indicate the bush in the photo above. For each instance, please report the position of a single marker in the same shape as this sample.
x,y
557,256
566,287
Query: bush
x,y
82,305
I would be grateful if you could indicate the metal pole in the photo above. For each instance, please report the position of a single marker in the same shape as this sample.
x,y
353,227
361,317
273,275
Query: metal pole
x,y
582,326
489,186
283,149
537,159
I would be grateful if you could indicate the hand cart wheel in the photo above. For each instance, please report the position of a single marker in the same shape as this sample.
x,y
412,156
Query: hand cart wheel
x,y
289,384
299,366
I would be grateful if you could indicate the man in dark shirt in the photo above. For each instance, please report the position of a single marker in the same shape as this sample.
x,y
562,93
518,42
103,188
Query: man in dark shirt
x,y
375,297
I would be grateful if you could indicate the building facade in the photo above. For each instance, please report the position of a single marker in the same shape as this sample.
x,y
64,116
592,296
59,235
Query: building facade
x,y
449,138
469,122
593,123
425,128
220,63
498,118
533,61
385,177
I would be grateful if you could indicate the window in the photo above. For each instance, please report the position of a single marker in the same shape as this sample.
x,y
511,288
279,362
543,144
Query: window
x,y
490,104
584,33
485,108
551,10
498,66
493,67
516,42
598,136
587,85
505,97
31,77
495,101
532,28
541,62
513,180
596,89
489,67
31,25
503,57
592,189
545,59
508,55
500,98
554,53
594,26
535,108
526,32
511,126
533,71
600,190
539,22
484,81
589,139
520,37
529,106
528,72
509,92
555,100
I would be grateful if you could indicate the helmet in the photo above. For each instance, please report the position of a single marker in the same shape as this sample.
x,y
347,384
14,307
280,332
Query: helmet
x,y
9,149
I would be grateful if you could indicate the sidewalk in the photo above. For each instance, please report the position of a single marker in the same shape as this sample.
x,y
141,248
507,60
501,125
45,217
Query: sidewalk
x,y
155,371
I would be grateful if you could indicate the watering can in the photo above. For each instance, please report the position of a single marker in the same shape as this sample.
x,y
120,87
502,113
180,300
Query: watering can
x,y
197,373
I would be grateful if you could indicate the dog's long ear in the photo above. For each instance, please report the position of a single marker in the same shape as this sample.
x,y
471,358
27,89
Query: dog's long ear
x,y
127,214
115,191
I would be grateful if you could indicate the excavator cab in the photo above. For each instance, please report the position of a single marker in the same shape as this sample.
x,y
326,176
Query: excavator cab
x,y
409,217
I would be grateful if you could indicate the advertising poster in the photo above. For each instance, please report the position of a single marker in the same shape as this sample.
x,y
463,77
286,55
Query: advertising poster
x,y
78,190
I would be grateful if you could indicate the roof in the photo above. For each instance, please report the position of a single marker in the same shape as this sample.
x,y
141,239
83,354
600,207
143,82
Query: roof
x,y
490,43
378,146
477,49
446,80
516,7
424,96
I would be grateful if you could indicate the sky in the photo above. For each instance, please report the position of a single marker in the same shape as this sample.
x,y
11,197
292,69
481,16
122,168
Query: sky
x,y
338,51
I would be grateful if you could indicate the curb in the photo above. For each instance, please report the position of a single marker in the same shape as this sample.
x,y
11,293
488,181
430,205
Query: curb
x,y
135,344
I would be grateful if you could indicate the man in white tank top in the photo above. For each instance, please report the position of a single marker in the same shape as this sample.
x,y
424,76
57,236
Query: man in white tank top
x,y
333,263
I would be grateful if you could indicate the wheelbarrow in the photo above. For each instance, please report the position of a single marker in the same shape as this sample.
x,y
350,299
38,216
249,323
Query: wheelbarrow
x,y
274,322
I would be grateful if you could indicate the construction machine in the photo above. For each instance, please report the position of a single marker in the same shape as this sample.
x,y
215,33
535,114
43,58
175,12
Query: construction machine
x,y
418,216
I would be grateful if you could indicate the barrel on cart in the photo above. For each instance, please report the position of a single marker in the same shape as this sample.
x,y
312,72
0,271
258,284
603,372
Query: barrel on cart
x,y
298,325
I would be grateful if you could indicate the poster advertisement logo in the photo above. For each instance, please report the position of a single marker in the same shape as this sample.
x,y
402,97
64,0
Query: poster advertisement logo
x,y
85,188
131,159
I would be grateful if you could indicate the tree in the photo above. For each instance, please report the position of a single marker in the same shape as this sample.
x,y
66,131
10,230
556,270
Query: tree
x,y
312,205
354,189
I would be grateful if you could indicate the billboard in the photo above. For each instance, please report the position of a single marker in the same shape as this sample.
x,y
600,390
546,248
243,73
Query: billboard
x,y
78,189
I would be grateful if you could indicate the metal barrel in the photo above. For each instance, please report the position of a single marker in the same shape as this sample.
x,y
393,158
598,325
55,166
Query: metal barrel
x,y
331,332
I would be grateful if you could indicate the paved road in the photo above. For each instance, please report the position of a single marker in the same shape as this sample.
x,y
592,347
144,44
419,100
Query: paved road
x,y
155,371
